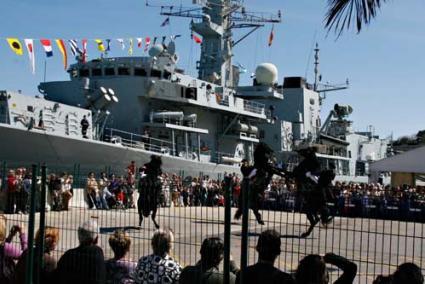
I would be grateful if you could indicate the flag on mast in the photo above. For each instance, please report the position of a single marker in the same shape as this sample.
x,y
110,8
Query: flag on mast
x,y
139,42
61,45
271,36
100,45
130,48
47,47
74,47
84,43
166,22
147,43
121,41
15,45
29,43
196,39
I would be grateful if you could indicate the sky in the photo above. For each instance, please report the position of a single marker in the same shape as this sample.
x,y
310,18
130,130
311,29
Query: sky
x,y
384,63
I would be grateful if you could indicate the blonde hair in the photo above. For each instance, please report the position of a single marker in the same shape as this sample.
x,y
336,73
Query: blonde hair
x,y
120,243
2,229
51,238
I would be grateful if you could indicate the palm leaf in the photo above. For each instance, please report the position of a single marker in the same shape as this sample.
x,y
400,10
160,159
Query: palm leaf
x,y
342,13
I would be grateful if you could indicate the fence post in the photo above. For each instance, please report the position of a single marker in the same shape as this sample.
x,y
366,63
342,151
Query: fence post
x,y
227,224
40,248
30,259
245,219
3,175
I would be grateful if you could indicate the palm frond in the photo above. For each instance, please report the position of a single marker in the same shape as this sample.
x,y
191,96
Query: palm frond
x,y
342,13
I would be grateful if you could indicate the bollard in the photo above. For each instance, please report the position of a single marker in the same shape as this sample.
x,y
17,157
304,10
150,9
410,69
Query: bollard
x,y
227,228
30,259
245,219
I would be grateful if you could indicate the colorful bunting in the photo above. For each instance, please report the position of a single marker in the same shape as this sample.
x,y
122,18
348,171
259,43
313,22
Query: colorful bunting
x,y
29,43
121,41
100,45
74,47
15,45
130,48
47,47
84,43
108,45
139,42
62,49
271,36
147,43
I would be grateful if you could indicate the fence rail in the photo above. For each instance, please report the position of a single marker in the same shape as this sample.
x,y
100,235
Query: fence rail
x,y
376,243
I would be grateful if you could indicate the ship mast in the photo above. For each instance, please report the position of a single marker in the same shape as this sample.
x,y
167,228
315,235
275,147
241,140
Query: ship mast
x,y
215,22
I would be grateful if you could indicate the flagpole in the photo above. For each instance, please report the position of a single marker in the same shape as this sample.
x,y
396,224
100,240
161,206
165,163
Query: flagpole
x,y
45,69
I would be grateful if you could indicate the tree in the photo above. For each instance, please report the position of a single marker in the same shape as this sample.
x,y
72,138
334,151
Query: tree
x,y
342,13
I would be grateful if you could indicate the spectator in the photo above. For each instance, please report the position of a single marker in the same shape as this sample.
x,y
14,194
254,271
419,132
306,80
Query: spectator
x,y
312,269
119,270
67,191
408,273
159,267
206,271
12,184
9,253
51,238
92,188
85,263
268,248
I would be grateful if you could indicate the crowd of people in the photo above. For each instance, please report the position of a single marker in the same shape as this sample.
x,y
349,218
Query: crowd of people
x,y
112,191
86,262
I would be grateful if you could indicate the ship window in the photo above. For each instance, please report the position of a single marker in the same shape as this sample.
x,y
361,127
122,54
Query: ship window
x,y
123,71
110,71
84,72
96,72
155,73
191,93
167,75
312,101
140,72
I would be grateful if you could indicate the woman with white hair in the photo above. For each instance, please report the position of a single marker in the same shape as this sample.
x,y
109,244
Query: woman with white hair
x,y
159,267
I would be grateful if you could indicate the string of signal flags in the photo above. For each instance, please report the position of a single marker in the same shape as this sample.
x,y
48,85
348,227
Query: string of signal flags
x,y
79,47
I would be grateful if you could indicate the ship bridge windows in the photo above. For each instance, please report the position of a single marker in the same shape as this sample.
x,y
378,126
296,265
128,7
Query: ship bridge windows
x,y
140,72
155,73
84,72
95,72
123,71
167,75
191,93
109,71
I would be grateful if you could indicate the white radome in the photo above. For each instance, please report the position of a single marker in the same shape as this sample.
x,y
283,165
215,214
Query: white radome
x,y
156,50
266,74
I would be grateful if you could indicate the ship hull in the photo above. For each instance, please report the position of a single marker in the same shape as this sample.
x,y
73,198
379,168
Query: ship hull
x,y
24,147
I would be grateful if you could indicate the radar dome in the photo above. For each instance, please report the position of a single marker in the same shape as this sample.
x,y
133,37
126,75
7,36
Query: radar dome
x,y
156,50
266,74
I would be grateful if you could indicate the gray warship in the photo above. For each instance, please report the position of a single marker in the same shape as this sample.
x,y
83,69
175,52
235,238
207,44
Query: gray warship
x,y
139,106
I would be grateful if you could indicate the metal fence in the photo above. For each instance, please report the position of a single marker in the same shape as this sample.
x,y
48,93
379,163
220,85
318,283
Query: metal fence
x,y
377,246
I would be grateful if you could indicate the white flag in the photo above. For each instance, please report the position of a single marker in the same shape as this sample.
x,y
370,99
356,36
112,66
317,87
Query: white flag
x,y
121,41
30,48
139,42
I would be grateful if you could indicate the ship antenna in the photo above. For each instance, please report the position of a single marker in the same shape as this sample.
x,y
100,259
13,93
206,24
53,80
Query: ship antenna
x,y
316,67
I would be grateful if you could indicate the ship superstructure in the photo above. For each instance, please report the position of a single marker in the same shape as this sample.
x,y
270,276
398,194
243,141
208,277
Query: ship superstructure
x,y
208,124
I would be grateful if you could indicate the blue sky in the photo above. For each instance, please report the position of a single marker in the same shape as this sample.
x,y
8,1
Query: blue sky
x,y
385,63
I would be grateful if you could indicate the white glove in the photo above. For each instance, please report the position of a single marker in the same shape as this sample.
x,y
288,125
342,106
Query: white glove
x,y
312,177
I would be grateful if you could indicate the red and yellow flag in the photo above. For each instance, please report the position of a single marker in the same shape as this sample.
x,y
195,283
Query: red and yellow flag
x,y
61,45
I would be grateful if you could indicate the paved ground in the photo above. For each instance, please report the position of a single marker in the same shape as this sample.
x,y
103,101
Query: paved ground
x,y
377,246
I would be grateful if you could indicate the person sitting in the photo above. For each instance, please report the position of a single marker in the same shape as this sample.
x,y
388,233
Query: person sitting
x,y
119,270
312,269
158,267
51,238
268,248
9,253
206,271
93,195
85,263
